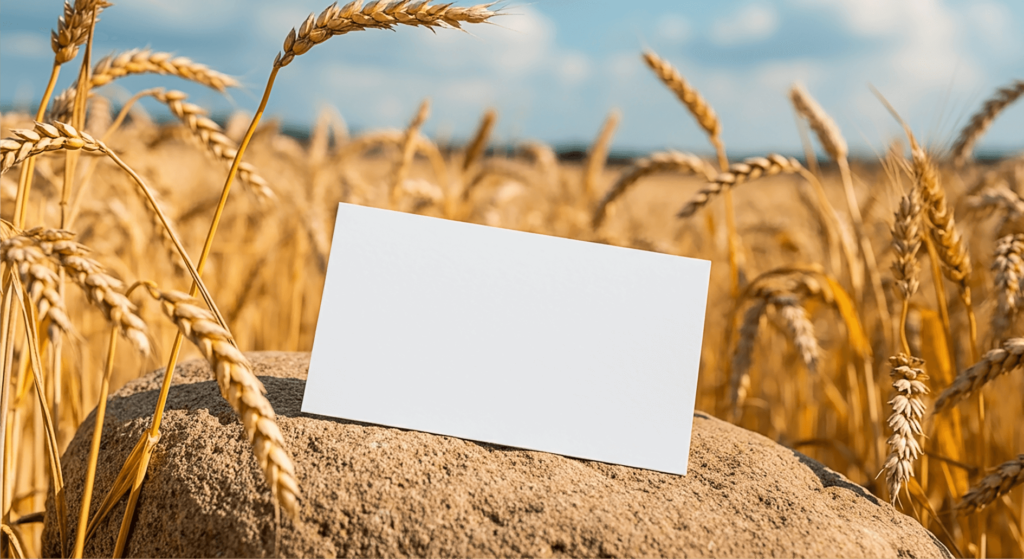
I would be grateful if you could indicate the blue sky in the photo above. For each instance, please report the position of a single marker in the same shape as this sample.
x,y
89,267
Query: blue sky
x,y
554,68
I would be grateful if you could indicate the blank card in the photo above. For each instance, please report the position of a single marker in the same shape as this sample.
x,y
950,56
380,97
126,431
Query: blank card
x,y
511,338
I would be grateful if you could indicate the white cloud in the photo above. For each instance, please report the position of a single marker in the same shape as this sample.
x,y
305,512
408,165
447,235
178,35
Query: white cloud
x,y
753,23
25,43
673,29
573,68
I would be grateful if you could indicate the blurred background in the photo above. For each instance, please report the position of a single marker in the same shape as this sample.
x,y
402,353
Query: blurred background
x,y
554,68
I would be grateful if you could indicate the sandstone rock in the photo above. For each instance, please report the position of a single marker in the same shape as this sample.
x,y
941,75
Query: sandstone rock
x,y
377,491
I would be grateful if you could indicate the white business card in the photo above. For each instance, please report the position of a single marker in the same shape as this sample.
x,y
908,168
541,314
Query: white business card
x,y
517,339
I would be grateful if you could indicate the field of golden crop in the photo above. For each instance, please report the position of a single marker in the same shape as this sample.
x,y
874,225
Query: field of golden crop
x,y
861,312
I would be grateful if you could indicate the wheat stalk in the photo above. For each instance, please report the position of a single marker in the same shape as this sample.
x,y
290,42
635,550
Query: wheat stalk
x,y
994,363
212,136
101,289
981,120
73,28
240,387
382,14
1003,478
907,410
739,173
659,162
1008,269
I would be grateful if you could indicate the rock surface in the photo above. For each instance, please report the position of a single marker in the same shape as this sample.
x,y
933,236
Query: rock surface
x,y
377,491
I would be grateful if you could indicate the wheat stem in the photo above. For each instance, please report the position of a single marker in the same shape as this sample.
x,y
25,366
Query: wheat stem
x,y
94,448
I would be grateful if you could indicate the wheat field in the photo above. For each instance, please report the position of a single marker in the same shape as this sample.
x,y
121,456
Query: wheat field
x,y
863,312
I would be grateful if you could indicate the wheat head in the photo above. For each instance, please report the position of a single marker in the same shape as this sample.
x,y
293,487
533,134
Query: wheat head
x,y
739,173
981,120
240,387
906,241
101,289
41,282
212,136
956,262
659,162
73,28
43,138
382,14
824,127
478,144
142,61
996,362
1008,271
1003,478
907,410
690,97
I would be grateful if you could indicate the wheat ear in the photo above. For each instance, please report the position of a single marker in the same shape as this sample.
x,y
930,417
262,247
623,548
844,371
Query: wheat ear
x,y
408,145
996,197
783,296
739,173
73,28
1003,478
994,363
981,120
660,162
104,291
824,127
799,328
143,61
952,251
382,14
1008,269
43,138
907,410
597,156
41,282
240,387
478,144
690,97
743,356
906,242
212,136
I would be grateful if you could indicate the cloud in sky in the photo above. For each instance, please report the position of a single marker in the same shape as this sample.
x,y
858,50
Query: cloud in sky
x,y
554,69
750,24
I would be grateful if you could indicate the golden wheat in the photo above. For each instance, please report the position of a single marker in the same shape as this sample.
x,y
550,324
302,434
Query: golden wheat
x,y
739,173
240,387
905,422
376,15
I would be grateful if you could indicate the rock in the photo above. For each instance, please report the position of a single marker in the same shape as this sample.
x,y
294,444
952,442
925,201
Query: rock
x,y
378,491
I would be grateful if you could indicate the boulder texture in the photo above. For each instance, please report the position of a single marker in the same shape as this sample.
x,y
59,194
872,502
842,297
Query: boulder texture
x,y
372,491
